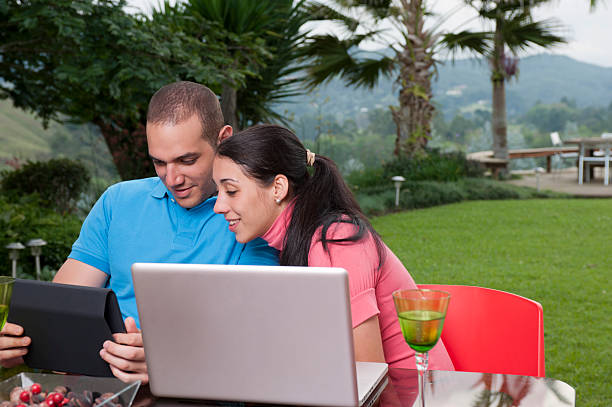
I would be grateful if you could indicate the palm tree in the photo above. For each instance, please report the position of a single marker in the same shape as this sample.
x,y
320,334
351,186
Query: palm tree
x,y
275,26
412,60
513,29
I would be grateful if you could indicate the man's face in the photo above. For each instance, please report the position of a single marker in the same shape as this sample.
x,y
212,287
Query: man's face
x,y
183,160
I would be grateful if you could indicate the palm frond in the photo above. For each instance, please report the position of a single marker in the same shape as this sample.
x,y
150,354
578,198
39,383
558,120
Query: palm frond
x,y
519,35
377,8
367,72
477,42
330,58
320,12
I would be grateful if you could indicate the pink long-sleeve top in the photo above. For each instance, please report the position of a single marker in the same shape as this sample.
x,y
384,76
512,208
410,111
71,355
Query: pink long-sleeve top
x,y
370,286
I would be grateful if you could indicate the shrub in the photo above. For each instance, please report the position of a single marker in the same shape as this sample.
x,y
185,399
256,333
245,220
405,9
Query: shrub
x,y
376,204
424,194
58,182
428,193
434,166
26,219
366,179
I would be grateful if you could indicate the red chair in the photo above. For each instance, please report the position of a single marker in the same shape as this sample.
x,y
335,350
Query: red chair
x,y
493,331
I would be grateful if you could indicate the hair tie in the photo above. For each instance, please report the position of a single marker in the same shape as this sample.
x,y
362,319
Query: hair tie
x,y
310,158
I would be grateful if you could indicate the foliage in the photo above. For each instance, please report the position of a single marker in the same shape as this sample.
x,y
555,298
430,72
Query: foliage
x,y
28,218
424,194
89,61
547,118
59,183
368,178
434,166
534,248
278,26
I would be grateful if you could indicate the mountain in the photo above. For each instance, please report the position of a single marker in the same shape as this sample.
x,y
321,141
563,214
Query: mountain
x,y
465,85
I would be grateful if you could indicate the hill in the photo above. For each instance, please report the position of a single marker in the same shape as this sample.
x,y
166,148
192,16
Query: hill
x,y
21,134
23,137
465,85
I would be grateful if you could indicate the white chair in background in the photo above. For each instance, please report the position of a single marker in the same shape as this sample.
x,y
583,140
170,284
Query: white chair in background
x,y
559,157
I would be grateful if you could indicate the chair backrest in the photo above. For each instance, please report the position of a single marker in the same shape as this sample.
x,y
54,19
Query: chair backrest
x,y
556,139
493,331
606,135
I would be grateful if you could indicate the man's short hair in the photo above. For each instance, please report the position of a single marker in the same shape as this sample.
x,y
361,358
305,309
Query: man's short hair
x,y
178,101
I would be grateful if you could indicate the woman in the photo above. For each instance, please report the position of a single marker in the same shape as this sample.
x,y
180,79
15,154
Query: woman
x,y
266,190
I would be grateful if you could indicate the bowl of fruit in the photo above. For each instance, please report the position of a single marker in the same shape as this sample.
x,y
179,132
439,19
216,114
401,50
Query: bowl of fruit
x,y
58,390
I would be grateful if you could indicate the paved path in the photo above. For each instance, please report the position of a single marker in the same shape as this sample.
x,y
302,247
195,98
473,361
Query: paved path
x,y
567,181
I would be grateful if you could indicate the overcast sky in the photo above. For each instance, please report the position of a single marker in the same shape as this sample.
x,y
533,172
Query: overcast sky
x,y
589,34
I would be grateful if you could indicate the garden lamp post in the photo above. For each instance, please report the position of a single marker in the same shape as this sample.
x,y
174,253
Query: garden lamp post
x,y
13,249
538,171
35,246
397,180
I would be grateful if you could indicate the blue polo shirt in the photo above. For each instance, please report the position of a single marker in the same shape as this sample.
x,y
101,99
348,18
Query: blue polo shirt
x,y
139,221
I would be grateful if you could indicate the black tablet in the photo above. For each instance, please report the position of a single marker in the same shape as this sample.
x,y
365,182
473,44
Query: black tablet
x,y
67,323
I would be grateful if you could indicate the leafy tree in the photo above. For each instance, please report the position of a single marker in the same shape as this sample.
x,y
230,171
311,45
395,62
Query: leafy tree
x,y
88,61
412,60
514,29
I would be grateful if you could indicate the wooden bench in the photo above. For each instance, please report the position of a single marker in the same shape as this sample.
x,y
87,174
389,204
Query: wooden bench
x,y
491,163
547,152
496,164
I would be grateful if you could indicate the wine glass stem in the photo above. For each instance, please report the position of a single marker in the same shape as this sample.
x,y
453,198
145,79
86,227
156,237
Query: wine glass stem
x,y
422,361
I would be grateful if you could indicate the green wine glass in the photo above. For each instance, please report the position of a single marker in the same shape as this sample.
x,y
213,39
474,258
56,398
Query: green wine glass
x,y
6,290
421,316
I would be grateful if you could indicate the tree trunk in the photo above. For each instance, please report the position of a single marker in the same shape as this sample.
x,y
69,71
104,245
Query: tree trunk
x,y
414,114
498,79
498,120
229,101
128,147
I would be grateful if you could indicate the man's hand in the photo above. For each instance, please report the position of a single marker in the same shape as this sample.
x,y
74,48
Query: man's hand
x,y
126,355
13,345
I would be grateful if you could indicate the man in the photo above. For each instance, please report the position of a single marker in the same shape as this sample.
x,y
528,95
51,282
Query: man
x,y
168,218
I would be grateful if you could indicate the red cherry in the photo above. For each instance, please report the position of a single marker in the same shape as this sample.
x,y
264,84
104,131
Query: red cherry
x,y
24,396
50,402
21,405
57,398
35,388
64,402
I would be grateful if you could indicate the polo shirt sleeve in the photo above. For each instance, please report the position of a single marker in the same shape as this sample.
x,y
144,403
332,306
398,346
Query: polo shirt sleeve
x,y
91,247
258,253
359,259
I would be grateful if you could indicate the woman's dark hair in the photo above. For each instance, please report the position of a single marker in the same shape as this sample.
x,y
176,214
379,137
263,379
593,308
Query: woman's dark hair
x,y
321,199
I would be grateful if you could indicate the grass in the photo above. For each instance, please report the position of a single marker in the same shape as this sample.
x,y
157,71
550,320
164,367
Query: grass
x,y
557,252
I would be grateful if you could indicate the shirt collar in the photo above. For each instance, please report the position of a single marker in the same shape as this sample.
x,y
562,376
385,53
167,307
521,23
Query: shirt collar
x,y
159,190
275,236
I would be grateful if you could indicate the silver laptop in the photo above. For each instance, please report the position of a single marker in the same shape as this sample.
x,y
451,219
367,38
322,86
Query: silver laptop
x,y
251,333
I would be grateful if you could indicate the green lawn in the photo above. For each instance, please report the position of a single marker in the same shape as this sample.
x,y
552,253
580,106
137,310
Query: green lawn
x,y
557,252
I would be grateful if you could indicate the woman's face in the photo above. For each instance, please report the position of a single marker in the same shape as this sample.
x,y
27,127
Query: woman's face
x,y
249,207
